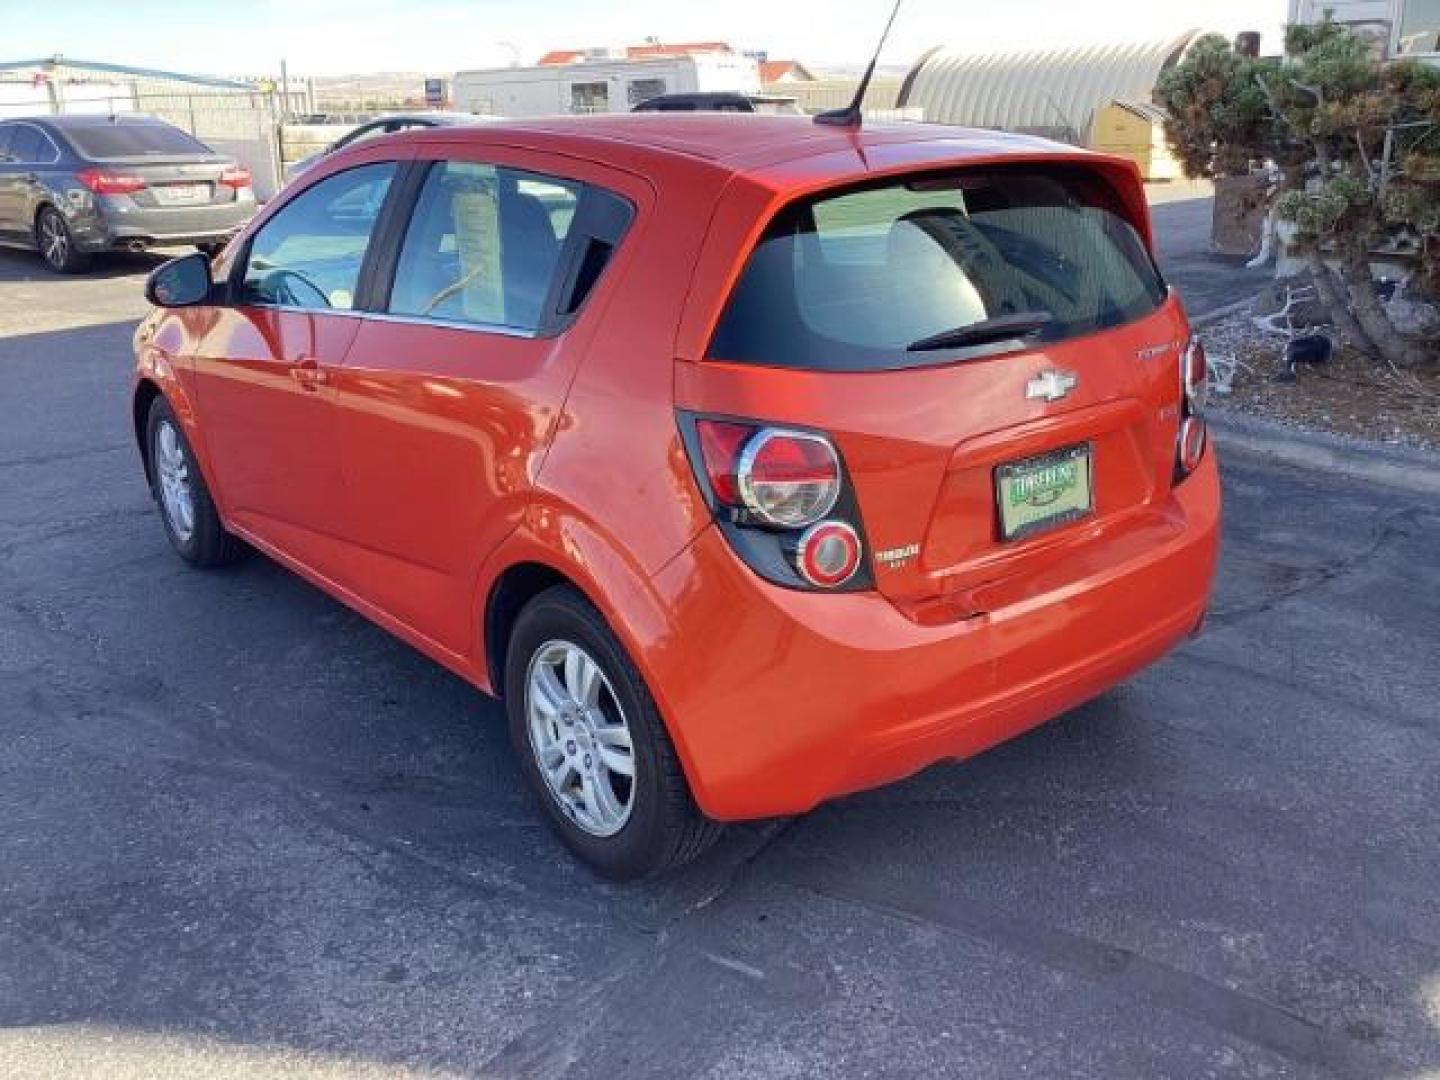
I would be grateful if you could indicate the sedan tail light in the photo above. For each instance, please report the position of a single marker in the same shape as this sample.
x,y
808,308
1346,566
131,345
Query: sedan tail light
x,y
105,182
781,498
236,176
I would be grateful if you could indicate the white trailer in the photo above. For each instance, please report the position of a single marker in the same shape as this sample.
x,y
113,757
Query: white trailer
x,y
600,85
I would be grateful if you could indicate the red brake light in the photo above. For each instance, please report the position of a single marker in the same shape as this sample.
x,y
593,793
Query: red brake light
x,y
720,444
236,176
103,182
773,491
789,479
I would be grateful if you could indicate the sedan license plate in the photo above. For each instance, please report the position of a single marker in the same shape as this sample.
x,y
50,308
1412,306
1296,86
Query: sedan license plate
x,y
1042,493
183,194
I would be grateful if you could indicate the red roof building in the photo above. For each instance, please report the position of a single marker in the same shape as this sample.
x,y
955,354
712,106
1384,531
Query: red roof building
x,y
653,50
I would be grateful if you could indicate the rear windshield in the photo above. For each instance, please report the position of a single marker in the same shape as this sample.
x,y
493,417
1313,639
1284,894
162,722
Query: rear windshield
x,y
854,281
104,140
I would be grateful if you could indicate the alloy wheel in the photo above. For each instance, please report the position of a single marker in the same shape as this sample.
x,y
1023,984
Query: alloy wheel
x,y
173,471
580,738
54,239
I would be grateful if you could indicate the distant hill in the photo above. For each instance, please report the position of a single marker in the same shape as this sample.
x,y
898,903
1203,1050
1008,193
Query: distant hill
x,y
380,88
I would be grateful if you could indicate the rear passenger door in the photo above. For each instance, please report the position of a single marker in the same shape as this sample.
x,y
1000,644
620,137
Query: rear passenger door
x,y
22,148
446,400
8,181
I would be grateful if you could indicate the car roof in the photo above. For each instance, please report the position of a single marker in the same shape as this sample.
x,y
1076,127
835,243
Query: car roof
x,y
742,142
69,120
438,119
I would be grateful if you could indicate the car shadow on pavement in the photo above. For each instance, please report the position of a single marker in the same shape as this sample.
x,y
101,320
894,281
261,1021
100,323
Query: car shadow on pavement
x,y
18,264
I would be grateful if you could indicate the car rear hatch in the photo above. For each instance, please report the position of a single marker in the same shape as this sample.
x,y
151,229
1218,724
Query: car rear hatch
x,y
995,356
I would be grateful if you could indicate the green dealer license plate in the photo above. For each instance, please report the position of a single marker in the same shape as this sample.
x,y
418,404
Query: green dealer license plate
x,y
1041,493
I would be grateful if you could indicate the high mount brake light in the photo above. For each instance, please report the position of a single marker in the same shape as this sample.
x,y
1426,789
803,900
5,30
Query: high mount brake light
x,y
774,491
103,182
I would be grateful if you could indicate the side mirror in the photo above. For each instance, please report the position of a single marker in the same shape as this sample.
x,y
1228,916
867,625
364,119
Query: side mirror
x,y
181,282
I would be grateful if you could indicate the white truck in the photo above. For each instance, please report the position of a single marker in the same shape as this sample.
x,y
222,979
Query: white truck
x,y
599,84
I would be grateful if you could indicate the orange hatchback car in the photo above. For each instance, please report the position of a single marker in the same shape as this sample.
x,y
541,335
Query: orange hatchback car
x,y
751,461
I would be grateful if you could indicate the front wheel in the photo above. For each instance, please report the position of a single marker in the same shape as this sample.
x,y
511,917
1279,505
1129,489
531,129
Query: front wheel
x,y
189,514
57,243
592,743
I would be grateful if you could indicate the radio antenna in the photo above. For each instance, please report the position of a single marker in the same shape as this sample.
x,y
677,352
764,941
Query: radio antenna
x,y
851,116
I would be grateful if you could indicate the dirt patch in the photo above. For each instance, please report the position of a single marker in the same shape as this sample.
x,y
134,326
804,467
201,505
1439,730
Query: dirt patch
x,y
1350,395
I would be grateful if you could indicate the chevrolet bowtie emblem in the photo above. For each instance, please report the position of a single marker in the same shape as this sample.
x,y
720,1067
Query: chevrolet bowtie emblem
x,y
1051,385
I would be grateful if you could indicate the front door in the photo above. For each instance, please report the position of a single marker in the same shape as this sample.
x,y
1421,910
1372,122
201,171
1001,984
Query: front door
x,y
263,372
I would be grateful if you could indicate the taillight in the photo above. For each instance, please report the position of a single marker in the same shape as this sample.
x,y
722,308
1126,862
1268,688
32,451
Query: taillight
x,y
236,176
104,182
828,554
1193,437
788,478
781,498
1195,376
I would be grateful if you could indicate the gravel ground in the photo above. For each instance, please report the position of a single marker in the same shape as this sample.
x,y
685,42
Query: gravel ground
x,y
1350,395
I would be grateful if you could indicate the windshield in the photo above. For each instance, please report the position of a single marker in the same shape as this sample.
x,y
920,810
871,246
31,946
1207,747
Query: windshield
x,y
851,281
106,140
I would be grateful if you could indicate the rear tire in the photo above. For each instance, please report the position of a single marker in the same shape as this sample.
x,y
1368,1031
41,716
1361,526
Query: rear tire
x,y
648,822
57,243
186,508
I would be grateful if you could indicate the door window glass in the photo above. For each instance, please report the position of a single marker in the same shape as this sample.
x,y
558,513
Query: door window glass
x,y
28,147
7,132
483,246
309,254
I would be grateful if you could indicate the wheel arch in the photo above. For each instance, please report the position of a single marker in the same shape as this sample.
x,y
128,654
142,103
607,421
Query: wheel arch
x,y
559,546
514,588
146,391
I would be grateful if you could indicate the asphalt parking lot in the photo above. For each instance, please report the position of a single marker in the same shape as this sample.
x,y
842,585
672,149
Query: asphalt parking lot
x,y
243,832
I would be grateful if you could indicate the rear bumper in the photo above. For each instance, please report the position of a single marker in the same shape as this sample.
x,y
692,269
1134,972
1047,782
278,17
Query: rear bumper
x,y
115,223
815,696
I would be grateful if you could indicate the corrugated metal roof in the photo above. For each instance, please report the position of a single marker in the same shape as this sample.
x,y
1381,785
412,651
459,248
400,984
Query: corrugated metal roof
x,y
1056,92
54,63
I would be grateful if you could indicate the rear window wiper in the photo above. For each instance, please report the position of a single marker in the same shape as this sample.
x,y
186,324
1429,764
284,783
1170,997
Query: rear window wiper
x,y
1001,328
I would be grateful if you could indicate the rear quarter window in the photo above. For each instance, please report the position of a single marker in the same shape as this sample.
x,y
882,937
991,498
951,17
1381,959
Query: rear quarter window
x,y
849,280
102,140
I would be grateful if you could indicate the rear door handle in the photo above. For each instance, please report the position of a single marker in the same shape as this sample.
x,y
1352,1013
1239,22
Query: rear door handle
x,y
309,374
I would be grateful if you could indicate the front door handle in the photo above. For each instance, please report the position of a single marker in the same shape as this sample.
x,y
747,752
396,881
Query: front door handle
x,y
309,374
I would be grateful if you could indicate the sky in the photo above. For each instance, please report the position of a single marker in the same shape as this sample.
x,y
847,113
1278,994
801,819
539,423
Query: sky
x,y
322,37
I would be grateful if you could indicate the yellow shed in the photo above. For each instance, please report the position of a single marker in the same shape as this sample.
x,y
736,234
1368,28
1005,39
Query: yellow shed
x,y
1136,130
